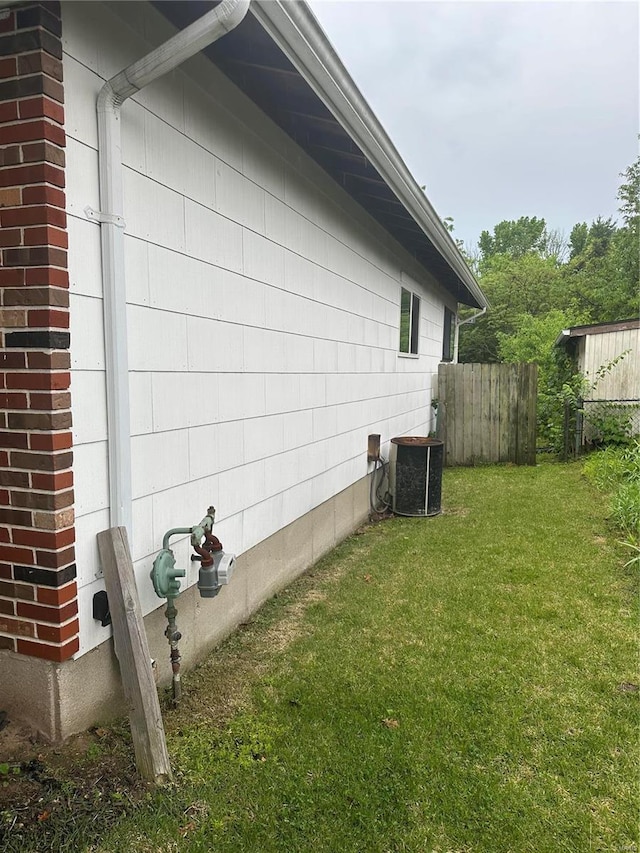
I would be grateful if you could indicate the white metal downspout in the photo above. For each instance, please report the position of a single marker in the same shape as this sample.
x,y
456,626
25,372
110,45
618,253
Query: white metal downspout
x,y
203,32
456,333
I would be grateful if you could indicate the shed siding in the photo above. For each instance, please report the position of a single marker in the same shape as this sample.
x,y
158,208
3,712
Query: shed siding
x,y
263,311
622,382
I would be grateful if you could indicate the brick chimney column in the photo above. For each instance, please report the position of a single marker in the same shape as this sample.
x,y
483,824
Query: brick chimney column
x,y
38,593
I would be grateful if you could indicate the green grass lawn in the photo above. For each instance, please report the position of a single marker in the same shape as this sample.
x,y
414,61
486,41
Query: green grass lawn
x,y
461,683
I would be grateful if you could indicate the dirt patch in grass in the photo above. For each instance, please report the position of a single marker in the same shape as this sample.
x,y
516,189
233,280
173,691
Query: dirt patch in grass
x,y
46,790
16,742
221,685
285,631
460,511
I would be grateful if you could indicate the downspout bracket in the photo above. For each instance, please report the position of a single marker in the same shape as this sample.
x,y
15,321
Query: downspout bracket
x,y
107,218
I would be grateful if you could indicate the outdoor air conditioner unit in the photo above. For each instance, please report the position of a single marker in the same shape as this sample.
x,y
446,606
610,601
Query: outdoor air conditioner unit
x,y
415,475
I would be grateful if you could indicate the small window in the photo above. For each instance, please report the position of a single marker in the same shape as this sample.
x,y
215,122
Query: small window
x,y
448,335
409,321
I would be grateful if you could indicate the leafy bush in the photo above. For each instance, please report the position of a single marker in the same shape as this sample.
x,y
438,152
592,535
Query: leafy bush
x,y
610,423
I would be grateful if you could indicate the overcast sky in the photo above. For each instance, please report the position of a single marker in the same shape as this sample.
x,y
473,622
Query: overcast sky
x,y
503,109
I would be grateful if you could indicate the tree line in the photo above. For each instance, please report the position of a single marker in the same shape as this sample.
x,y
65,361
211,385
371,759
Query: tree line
x,y
538,282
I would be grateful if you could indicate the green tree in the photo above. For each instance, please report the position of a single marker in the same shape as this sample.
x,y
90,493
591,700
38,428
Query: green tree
x,y
602,277
578,239
514,286
534,292
533,340
514,238
600,235
629,195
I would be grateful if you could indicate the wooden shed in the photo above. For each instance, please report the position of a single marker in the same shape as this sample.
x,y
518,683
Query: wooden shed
x,y
611,405
601,343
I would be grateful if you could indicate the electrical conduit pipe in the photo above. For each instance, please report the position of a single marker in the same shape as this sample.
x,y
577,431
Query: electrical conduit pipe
x,y
168,56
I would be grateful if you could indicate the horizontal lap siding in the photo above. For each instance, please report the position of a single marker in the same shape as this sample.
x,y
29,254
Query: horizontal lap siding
x,y
263,311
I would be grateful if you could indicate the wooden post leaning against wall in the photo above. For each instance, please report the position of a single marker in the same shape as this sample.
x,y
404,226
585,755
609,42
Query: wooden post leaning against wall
x,y
132,651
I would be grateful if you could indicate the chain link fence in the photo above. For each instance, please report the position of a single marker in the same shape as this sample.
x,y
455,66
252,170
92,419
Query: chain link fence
x,y
603,422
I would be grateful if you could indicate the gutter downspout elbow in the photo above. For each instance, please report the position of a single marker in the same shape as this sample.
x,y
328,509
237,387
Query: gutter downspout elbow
x,y
456,334
163,59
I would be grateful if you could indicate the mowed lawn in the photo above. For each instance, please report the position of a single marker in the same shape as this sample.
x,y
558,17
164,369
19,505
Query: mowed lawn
x,y
461,683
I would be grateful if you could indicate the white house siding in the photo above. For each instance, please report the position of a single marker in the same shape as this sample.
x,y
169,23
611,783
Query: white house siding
x,y
622,382
263,311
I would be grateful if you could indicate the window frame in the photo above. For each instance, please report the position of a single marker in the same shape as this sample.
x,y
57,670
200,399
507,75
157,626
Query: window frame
x,y
410,336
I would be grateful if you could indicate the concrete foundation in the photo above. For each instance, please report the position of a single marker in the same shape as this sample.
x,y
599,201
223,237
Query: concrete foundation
x,y
58,700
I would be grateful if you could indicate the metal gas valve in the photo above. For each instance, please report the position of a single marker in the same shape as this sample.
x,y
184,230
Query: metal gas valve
x,y
216,567
165,575
215,571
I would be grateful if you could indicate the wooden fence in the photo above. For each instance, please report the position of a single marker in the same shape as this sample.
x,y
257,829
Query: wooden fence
x,y
487,413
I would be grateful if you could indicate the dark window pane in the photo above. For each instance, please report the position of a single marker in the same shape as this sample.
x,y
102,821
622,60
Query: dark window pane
x,y
415,323
405,319
448,336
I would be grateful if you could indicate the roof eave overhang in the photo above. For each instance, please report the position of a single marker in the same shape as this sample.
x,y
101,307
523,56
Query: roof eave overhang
x,y
563,338
280,58
295,30
567,336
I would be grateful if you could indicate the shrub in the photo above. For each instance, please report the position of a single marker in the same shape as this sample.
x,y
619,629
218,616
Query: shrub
x,y
609,423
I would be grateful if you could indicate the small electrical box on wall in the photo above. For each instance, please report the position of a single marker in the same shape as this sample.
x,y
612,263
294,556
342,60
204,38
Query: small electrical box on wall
x,y
373,448
101,608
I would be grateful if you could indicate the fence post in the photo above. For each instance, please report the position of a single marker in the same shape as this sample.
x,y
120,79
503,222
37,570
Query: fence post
x,y
579,426
567,421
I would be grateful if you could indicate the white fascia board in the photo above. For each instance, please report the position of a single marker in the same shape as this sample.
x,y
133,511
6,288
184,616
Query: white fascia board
x,y
562,338
294,28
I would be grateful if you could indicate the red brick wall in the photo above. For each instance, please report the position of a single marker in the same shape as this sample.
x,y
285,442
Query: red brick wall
x,y
38,595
